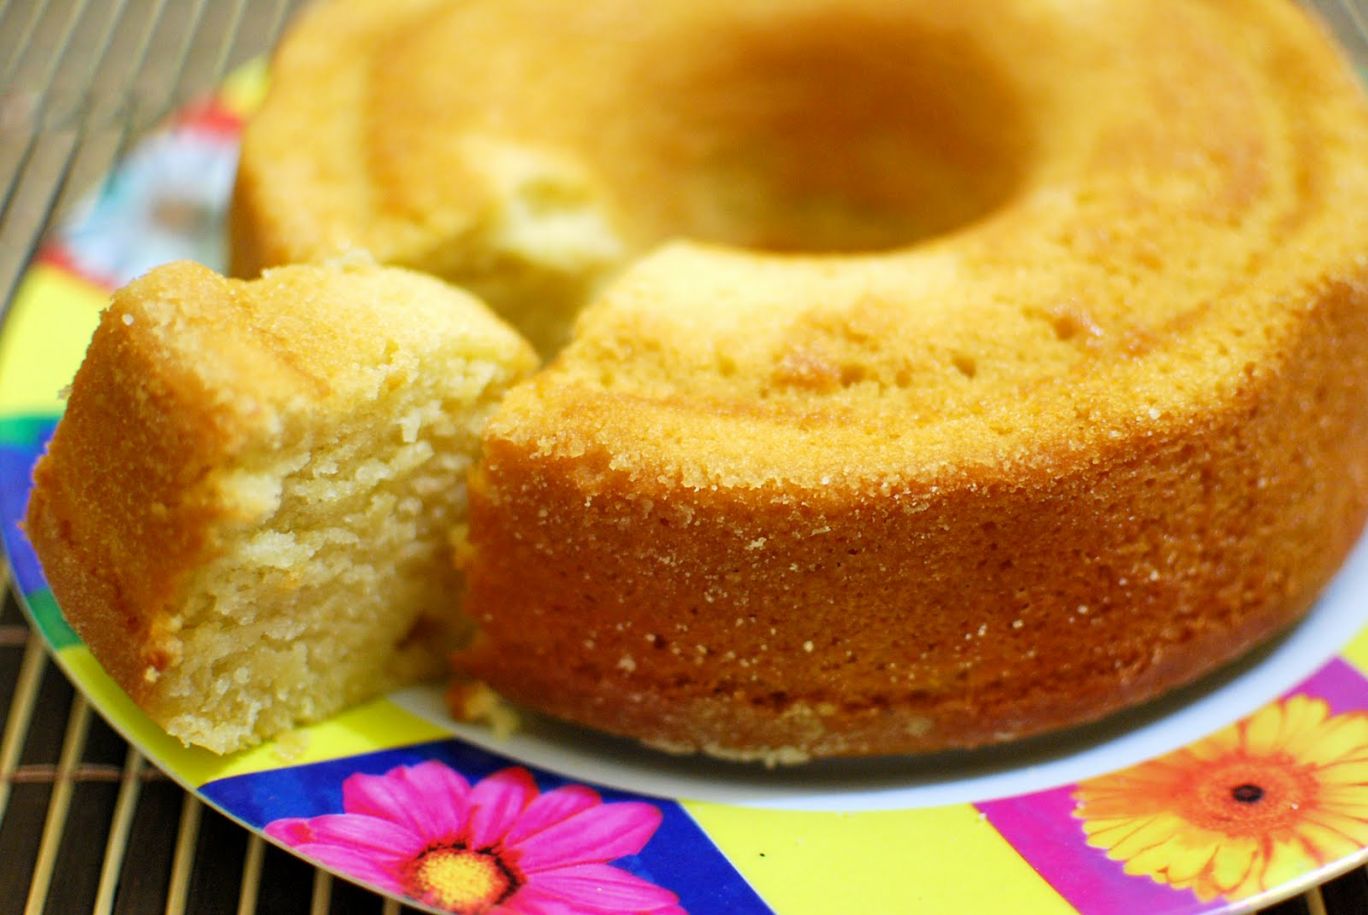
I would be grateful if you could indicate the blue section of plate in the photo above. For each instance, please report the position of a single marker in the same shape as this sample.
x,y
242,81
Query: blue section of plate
x,y
22,440
679,856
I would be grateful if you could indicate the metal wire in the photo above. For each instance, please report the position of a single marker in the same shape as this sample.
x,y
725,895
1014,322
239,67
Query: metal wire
x,y
322,893
117,842
20,714
1358,15
33,73
1348,19
250,887
184,862
73,743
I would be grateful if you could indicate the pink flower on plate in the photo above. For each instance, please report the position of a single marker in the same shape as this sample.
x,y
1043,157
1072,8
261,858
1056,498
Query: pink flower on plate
x,y
500,847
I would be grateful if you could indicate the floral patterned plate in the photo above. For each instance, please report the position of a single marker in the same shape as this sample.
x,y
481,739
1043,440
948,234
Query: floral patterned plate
x,y
1225,798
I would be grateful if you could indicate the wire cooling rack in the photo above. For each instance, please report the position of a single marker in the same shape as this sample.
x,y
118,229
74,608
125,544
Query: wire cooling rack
x,y
86,824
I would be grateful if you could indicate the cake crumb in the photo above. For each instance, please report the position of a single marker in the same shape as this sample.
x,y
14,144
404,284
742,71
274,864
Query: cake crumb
x,y
918,726
476,703
290,746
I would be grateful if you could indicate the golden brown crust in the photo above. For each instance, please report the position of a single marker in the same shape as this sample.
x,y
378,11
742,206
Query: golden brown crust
x,y
118,514
1001,607
1007,480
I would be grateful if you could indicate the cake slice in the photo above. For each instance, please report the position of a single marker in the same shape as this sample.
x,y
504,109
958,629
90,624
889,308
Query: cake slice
x,y
247,510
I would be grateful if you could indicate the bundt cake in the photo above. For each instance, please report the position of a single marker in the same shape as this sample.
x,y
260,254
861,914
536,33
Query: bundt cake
x,y
246,510
952,372
946,373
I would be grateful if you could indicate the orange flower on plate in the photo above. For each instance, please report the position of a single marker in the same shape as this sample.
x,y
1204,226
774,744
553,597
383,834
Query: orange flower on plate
x,y
1241,811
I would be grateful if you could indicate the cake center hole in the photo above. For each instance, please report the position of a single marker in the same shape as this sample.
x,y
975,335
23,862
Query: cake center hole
x,y
830,133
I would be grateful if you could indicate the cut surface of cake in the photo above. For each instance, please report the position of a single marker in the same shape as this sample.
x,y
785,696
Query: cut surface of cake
x,y
246,510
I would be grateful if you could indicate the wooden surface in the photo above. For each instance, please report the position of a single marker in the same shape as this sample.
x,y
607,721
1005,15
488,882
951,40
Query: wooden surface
x,y
85,823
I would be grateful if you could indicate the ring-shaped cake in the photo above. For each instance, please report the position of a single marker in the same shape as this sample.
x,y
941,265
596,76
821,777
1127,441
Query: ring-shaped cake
x,y
946,373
